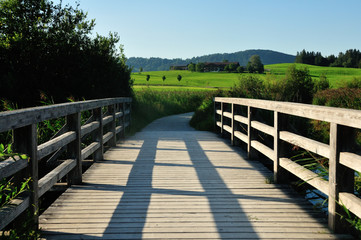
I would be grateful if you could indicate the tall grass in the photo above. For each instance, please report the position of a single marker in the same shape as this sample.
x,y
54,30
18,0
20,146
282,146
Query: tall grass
x,y
149,105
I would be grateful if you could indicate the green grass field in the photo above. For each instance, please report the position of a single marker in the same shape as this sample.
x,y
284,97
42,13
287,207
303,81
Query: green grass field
x,y
213,80
336,75
171,88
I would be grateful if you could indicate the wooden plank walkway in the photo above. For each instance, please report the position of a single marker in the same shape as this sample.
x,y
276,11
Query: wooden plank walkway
x,y
172,182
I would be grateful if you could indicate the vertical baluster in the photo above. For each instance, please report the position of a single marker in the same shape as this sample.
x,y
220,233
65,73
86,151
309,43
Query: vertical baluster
x,y
250,151
280,148
113,141
276,141
74,148
222,111
130,115
215,114
25,141
123,119
233,125
98,134
341,178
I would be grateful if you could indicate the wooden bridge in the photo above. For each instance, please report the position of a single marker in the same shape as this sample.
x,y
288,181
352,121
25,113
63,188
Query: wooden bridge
x,y
172,182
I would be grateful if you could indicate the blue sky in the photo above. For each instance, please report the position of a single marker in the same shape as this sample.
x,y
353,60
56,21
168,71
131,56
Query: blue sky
x,y
188,28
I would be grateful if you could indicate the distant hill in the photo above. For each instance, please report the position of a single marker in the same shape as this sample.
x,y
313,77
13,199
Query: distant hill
x,y
163,64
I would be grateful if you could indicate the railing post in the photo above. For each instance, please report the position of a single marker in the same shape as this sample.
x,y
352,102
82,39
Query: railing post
x,y
341,178
250,151
215,114
25,141
222,111
113,140
123,119
233,125
98,135
130,114
276,139
73,122
279,147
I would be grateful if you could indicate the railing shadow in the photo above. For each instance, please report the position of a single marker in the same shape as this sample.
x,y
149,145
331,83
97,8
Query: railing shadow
x,y
132,216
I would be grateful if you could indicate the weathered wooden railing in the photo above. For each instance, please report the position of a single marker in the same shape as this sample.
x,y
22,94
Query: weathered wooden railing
x,y
237,117
108,121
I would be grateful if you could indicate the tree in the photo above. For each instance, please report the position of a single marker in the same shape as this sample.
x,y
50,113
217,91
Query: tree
x,y
255,64
148,77
192,67
140,70
49,48
250,68
240,69
232,67
200,67
179,77
163,78
298,86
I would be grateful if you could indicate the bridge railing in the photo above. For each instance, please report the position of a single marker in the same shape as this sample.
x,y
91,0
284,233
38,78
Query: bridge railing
x,y
66,149
237,118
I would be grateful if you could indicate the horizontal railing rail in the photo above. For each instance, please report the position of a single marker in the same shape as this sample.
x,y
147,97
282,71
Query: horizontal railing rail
x,y
236,116
68,148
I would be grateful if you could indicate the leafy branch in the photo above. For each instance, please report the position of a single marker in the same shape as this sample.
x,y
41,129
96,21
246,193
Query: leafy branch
x,y
6,152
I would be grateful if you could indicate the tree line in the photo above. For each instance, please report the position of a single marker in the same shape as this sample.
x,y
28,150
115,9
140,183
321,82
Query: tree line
x,y
162,64
47,48
350,59
254,65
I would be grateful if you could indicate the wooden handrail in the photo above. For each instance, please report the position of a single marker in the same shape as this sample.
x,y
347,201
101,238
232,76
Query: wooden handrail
x,y
23,123
342,162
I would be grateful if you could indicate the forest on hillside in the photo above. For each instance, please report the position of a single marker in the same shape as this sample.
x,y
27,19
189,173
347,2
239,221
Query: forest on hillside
x,y
163,64
350,59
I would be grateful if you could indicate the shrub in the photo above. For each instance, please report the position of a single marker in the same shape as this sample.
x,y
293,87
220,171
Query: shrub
x,y
354,83
341,97
203,117
250,87
322,84
299,86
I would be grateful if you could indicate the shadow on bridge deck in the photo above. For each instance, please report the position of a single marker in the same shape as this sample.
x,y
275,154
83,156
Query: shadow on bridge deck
x,y
171,182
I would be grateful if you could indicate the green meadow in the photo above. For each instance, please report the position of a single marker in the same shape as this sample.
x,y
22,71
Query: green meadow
x,y
189,79
214,80
337,76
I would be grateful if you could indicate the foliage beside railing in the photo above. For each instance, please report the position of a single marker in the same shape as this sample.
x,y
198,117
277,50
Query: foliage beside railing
x,y
52,157
329,167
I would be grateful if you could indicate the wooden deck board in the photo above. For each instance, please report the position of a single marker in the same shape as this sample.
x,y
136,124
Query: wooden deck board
x,y
171,182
